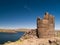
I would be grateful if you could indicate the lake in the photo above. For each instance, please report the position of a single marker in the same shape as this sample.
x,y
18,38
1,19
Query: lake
x,y
4,37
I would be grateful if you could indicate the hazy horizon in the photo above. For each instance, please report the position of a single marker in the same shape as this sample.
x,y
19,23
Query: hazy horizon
x,y
23,13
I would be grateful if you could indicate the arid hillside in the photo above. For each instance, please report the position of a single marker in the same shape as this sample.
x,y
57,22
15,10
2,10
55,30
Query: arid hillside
x,y
14,30
22,30
7,30
31,39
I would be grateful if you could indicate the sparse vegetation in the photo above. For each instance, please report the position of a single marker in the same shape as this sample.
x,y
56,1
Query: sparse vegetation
x,y
35,41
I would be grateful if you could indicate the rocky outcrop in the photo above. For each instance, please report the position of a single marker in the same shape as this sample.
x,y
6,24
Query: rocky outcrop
x,y
29,34
37,41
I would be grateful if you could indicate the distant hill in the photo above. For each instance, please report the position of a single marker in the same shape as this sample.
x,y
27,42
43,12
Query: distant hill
x,y
14,30
20,30
8,30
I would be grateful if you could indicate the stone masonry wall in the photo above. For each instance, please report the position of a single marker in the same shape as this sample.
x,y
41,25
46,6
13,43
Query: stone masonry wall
x,y
45,26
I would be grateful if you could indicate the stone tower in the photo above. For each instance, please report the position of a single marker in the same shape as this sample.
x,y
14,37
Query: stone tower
x,y
45,26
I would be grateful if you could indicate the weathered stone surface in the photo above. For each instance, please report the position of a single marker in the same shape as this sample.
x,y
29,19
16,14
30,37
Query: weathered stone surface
x,y
45,26
29,34
36,41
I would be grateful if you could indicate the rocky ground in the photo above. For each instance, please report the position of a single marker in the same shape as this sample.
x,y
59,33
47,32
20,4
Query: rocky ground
x,y
36,41
33,40
30,38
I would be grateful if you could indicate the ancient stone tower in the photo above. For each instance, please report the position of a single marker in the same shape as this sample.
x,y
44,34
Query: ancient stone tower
x,y
45,26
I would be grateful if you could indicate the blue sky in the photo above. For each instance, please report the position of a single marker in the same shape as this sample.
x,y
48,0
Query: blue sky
x,y
23,13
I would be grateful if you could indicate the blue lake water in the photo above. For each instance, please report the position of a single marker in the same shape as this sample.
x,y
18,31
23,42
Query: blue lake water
x,y
4,37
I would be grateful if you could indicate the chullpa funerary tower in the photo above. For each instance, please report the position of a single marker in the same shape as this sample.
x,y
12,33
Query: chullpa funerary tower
x,y
45,26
